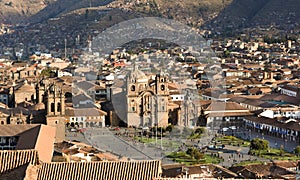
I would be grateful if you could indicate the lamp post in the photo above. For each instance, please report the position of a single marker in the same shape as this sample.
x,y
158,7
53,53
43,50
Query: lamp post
x,y
156,134
142,135
161,137
250,134
285,142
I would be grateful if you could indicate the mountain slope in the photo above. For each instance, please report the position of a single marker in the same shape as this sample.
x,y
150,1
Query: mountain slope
x,y
33,11
217,15
14,11
252,13
64,6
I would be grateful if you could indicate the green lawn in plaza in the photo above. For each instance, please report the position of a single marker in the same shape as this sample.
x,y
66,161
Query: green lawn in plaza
x,y
276,154
167,143
183,157
231,140
244,163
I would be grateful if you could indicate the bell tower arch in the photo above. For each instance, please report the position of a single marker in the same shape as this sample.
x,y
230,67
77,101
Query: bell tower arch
x,y
55,110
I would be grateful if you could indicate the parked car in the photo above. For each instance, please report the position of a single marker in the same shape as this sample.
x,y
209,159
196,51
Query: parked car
x,y
73,130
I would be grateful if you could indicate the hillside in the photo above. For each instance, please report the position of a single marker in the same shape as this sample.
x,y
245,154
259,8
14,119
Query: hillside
x,y
34,11
61,7
14,11
193,13
211,14
252,13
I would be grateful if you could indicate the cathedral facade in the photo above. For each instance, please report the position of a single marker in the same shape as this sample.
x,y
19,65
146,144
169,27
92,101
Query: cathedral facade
x,y
147,99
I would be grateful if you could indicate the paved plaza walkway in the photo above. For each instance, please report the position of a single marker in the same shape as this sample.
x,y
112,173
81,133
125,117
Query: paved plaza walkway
x,y
106,140
274,142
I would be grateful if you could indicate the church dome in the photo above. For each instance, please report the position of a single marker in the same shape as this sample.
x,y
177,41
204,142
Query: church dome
x,y
138,76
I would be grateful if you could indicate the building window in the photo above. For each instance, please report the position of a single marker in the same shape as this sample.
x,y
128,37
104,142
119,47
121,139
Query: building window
x,y
162,87
133,108
52,107
2,122
132,88
58,107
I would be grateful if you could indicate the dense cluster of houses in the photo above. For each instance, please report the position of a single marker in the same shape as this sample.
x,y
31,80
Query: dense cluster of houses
x,y
256,87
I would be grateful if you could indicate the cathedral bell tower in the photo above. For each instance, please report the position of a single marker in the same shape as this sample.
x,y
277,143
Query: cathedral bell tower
x,y
55,110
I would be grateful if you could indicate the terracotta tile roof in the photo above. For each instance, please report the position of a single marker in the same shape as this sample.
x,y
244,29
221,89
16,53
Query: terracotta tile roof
x,y
139,170
261,171
14,130
173,87
225,106
25,88
252,102
11,159
230,114
107,156
280,97
81,97
45,143
85,85
32,136
286,164
204,170
84,112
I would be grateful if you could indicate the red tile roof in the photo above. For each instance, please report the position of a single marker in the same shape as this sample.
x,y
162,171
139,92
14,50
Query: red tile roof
x,y
11,159
32,136
113,170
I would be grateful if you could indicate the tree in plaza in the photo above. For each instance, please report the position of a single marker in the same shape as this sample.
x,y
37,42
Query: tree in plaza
x,y
49,72
198,155
161,130
169,128
200,130
297,150
197,133
195,153
258,145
